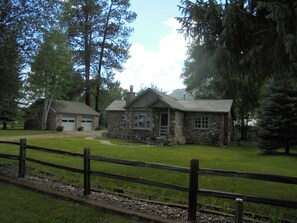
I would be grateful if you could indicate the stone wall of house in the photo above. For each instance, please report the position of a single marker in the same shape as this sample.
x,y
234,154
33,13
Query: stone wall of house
x,y
215,133
178,127
137,135
78,119
113,127
95,123
181,130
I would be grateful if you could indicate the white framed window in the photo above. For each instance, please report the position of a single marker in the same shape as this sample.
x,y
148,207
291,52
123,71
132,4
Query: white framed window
x,y
142,120
201,122
122,120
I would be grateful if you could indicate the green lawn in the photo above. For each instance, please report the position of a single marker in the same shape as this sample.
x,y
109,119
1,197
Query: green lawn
x,y
20,205
245,158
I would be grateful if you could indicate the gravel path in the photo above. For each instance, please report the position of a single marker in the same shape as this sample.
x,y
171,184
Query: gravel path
x,y
92,134
164,211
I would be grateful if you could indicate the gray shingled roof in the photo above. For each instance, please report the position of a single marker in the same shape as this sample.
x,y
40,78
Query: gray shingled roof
x,y
117,105
73,108
219,105
170,101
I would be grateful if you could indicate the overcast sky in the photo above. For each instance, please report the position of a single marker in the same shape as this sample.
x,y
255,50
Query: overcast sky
x,y
158,50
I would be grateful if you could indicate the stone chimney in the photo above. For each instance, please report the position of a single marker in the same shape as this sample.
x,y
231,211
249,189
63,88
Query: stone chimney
x,y
130,95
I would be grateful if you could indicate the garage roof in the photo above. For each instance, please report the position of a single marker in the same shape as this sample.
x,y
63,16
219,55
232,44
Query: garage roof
x,y
73,108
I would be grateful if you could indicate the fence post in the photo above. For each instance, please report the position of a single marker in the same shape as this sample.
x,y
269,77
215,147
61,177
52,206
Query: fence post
x,y
86,171
193,188
22,158
238,210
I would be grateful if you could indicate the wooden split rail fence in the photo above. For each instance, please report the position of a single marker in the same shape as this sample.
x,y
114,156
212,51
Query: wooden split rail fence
x,y
193,190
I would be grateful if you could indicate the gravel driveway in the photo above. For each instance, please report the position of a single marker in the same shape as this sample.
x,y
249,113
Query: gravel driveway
x,y
56,134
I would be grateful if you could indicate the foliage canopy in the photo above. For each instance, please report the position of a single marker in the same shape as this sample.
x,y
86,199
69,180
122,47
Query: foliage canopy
x,y
236,46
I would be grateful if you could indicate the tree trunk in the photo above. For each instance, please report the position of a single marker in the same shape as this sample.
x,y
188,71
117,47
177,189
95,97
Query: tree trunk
x,y
88,93
242,129
87,61
287,149
43,121
245,130
97,107
4,125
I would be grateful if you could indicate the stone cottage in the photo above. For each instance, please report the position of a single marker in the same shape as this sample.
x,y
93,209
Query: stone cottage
x,y
156,116
69,114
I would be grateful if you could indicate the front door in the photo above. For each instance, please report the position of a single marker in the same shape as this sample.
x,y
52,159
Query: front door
x,y
163,124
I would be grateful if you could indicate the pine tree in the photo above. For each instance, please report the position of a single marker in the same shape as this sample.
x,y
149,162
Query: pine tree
x,y
9,79
278,116
99,35
237,45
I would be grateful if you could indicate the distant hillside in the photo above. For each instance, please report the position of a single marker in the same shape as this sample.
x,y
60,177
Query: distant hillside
x,y
181,94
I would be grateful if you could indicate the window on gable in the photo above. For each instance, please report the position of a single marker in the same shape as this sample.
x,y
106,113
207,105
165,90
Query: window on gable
x,y
122,120
201,122
142,120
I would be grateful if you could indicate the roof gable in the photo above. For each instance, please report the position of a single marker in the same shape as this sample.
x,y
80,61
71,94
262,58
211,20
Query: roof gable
x,y
144,100
150,97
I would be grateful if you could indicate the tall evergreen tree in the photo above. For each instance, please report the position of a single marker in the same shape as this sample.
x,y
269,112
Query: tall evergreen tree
x,y
99,34
236,46
9,64
22,23
114,46
278,116
9,78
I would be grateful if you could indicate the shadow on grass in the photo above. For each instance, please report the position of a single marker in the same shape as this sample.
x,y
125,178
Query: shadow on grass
x,y
280,153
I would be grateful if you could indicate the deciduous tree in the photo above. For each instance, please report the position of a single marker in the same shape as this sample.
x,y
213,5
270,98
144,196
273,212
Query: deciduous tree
x,y
51,70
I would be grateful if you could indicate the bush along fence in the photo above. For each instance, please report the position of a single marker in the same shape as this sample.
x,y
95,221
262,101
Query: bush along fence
x,y
194,171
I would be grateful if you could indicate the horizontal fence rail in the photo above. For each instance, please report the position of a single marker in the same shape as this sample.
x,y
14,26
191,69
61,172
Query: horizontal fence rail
x,y
7,142
249,198
71,169
140,181
194,172
55,151
141,164
11,157
255,176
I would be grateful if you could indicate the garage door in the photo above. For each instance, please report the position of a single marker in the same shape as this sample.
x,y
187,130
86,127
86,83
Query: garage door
x,y
87,123
68,123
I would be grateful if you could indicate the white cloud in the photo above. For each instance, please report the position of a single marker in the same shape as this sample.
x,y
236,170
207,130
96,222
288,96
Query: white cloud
x,y
162,67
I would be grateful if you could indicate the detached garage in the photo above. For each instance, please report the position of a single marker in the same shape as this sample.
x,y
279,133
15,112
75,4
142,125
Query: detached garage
x,y
69,114
87,123
68,123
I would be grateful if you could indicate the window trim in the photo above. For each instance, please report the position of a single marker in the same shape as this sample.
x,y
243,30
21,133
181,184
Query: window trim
x,y
122,120
204,121
147,114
